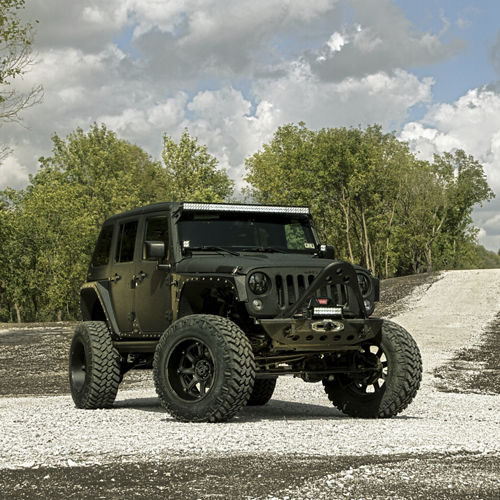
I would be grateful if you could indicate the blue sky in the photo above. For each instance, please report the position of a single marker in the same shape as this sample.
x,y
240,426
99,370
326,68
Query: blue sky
x,y
477,24
232,72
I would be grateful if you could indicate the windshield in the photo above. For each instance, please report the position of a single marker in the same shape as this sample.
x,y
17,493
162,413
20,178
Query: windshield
x,y
251,232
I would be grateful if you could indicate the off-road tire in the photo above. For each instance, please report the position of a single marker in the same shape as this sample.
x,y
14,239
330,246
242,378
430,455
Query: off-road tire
x,y
221,356
94,366
404,373
263,389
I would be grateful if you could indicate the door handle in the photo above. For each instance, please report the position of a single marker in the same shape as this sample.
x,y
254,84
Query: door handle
x,y
115,278
138,278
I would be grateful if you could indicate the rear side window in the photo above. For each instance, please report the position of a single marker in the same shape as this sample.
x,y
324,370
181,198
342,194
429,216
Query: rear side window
x,y
103,246
126,242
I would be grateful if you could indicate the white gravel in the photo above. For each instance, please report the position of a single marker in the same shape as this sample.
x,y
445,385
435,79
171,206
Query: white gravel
x,y
299,419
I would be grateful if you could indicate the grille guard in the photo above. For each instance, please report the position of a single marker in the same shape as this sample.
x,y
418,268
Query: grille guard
x,y
336,273
290,331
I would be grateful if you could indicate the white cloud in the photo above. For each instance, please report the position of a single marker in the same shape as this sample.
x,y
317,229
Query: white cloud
x,y
336,42
377,98
231,72
12,173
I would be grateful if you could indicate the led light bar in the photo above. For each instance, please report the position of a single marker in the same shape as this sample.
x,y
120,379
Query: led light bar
x,y
223,207
327,311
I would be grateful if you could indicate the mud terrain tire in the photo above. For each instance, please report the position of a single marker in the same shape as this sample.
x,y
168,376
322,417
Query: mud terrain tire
x,y
262,391
203,369
94,366
392,388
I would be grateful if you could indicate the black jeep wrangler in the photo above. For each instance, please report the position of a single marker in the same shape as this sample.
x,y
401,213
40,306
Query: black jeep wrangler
x,y
220,300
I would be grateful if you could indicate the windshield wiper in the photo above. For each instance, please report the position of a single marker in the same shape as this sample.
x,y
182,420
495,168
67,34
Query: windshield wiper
x,y
264,249
215,248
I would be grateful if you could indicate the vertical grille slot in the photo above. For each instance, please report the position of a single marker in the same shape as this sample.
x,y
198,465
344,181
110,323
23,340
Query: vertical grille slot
x,y
289,287
280,290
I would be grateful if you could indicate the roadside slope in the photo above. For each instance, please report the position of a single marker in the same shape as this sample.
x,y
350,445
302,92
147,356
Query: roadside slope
x,y
452,313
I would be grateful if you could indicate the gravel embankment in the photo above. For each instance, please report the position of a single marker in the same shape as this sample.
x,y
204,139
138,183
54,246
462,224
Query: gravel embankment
x,y
445,445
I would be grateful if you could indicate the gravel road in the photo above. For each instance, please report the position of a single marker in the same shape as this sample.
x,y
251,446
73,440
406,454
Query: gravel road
x,y
445,445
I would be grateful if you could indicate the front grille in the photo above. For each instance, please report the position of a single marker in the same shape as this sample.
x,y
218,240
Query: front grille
x,y
291,286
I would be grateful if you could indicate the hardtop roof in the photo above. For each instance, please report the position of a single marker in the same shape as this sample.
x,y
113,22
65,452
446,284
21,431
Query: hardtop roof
x,y
214,207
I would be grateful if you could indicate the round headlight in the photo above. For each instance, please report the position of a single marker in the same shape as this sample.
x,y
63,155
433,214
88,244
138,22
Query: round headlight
x,y
259,283
364,283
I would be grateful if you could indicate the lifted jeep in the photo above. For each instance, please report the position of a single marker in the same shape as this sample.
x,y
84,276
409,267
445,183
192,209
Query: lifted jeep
x,y
222,299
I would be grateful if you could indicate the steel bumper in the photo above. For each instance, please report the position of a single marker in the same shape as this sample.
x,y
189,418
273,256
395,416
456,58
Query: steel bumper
x,y
320,335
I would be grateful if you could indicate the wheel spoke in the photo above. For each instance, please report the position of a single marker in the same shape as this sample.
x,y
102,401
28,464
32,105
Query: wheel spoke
x,y
199,348
186,371
190,357
191,384
203,387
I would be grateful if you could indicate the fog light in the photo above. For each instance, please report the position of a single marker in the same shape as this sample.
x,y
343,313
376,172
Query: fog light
x,y
368,304
257,304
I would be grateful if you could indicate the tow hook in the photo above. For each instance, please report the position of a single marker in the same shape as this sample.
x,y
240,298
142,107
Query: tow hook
x,y
327,325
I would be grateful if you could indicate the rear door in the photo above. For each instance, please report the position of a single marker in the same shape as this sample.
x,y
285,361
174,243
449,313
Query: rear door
x,y
152,292
122,274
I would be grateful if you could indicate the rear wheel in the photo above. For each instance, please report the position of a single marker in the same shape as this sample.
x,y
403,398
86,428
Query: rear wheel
x,y
94,366
392,371
262,391
203,369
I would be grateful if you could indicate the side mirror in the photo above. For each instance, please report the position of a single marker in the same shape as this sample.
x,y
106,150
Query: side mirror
x,y
327,252
154,250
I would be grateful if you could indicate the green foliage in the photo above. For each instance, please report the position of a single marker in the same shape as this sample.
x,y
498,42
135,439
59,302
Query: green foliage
x,y
485,259
191,173
371,198
48,230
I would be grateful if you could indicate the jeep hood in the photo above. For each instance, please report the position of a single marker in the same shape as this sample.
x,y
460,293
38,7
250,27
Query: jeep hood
x,y
226,263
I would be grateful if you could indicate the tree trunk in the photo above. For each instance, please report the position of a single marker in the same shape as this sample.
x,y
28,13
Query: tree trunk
x,y
370,263
345,208
18,312
59,315
387,241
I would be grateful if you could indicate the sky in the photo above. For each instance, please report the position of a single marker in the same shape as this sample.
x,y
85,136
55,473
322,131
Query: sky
x,y
233,71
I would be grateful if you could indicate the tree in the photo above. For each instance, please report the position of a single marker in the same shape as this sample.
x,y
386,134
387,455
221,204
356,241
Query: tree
x,y
56,219
349,177
372,198
190,173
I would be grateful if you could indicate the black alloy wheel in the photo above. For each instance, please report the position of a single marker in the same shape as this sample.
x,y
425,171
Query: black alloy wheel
x,y
191,368
203,369
385,376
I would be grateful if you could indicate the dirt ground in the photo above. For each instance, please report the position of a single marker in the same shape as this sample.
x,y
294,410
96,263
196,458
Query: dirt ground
x,y
267,477
33,362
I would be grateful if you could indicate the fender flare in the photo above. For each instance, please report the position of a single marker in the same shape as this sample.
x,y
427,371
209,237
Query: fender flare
x,y
101,293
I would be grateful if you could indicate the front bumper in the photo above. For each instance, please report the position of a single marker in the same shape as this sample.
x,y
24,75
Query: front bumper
x,y
320,335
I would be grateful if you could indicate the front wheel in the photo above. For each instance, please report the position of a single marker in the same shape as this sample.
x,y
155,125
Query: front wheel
x,y
389,380
203,369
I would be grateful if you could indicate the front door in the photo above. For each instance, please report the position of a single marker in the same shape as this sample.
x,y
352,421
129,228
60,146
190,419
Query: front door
x,y
152,292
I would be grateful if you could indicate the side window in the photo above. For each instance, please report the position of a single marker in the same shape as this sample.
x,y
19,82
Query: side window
x,y
126,242
102,248
157,229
